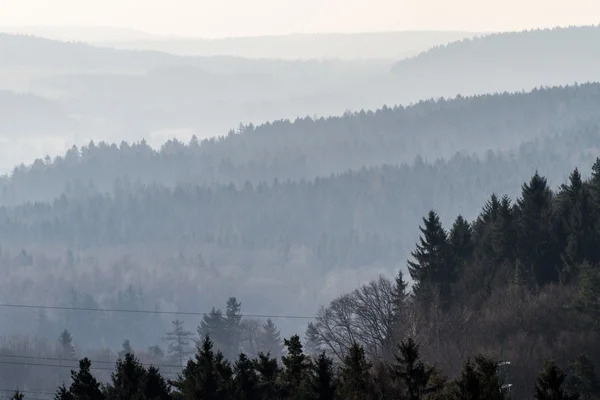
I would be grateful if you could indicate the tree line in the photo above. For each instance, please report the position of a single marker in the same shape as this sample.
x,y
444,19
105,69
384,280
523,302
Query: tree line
x,y
307,148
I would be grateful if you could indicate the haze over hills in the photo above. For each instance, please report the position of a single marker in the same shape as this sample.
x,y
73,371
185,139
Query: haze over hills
x,y
289,213
343,46
128,95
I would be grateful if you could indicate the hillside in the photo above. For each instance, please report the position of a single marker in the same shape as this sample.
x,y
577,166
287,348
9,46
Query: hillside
x,y
307,148
384,45
504,61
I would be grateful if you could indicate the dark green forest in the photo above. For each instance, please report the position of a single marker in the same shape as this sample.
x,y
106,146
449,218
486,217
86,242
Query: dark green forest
x,y
509,298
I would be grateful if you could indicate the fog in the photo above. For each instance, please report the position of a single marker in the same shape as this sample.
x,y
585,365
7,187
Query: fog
x,y
149,177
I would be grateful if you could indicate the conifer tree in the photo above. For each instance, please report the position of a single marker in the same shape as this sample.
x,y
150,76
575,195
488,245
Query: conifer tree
x,y
84,386
178,341
126,349
270,339
430,259
549,384
128,380
296,374
213,325
206,377
536,249
232,329
156,387
479,380
63,393
268,373
66,350
583,378
323,380
355,375
410,372
461,245
245,381
18,396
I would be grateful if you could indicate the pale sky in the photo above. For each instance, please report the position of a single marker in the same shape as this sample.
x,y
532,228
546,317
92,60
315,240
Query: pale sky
x,y
220,18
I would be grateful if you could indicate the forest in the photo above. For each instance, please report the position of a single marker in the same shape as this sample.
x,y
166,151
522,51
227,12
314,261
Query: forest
x,y
507,300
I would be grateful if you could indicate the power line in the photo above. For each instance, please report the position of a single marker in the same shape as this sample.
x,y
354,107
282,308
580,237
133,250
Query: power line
x,y
30,391
51,365
40,307
77,360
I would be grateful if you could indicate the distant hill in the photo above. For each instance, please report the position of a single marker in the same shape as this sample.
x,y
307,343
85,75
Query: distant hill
x,y
504,61
380,45
345,46
307,148
90,34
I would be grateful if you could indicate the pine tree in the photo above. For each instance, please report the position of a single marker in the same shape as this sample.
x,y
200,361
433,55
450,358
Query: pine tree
x,y
84,386
430,265
549,384
479,380
297,367
536,250
233,319
583,378
128,380
270,339
156,388
461,241
178,341
268,373
63,393
411,373
66,350
355,375
399,294
17,395
323,380
503,233
245,382
206,377
126,349
213,325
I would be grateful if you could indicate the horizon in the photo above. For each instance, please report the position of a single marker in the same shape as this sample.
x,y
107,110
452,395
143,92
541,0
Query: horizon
x,y
186,18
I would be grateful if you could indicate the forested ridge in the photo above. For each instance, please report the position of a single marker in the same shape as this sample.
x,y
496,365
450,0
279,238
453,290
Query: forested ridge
x,y
517,283
307,148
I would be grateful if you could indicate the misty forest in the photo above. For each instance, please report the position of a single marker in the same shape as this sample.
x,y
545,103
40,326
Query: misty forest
x,y
414,221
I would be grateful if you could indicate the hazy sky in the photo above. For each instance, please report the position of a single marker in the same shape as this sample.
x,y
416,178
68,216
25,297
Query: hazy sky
x,y
218,18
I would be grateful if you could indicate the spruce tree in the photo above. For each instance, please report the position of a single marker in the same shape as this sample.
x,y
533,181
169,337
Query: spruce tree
x,y
213,325
268,373
245,381
128,380
412,374
461,245
125,349
178,341
156,388
17,396
66,350
63,393
355,375
430,259
323,380
232,329
479,380
84,386
270,339
536,249
206,377
583,378
549,384
296,374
